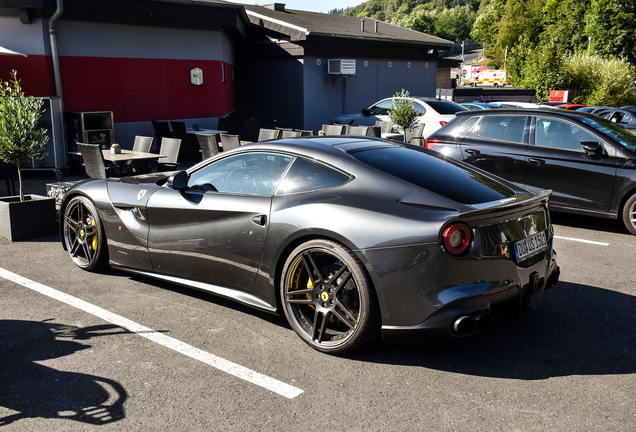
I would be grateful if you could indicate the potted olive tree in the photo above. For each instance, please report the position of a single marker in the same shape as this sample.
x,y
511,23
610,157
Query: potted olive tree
x,y
21,139
402,112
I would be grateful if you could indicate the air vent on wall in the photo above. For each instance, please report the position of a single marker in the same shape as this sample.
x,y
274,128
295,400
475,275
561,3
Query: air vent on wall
x,y
341,67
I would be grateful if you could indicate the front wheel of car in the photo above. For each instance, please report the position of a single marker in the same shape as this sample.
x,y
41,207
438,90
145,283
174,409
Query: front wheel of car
x,y
84,235
328,298
629,214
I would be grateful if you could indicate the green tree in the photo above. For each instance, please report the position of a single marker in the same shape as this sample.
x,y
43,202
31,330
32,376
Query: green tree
x,y
611,24
20,137
402,112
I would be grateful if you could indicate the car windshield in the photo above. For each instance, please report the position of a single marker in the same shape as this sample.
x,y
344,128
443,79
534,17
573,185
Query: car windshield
x,y
445,107
444,177
620,134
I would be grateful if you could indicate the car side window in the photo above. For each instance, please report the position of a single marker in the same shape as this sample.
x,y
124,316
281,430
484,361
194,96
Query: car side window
x,y
382,108
254,173
502,127
468,124
305,176
550,132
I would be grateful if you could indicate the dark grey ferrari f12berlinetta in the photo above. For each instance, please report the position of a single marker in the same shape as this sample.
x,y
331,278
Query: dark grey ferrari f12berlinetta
x,y
349,237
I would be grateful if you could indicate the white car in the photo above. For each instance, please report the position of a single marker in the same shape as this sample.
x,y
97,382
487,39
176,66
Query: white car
x,y
434,113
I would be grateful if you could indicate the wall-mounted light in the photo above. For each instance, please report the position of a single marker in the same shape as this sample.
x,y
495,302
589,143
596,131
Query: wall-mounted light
x,y
196,76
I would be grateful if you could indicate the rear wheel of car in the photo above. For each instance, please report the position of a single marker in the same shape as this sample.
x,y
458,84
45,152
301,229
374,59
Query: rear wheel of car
x,y
328,298
84,235
629,214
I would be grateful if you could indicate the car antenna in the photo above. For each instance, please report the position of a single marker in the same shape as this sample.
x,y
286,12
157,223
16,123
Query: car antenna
x,y
484,101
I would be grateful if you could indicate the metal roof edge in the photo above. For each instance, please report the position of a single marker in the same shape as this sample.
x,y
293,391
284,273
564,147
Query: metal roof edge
x,y
276,21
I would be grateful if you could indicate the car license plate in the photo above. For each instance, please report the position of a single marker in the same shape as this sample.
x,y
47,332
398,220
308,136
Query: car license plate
x,y
531,245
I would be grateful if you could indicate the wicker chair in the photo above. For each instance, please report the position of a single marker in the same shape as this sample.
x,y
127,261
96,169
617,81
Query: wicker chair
x,y
374,131
385,126
142,143
170,150
336,129
357,130
162,129
291,134
209,145
414,135
229,141
94,162
268,134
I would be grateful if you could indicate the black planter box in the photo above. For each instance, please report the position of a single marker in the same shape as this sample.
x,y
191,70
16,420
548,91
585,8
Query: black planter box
x,y
32,218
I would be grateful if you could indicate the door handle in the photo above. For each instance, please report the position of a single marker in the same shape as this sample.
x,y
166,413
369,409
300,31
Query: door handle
x,y
536,161
260,220
472,151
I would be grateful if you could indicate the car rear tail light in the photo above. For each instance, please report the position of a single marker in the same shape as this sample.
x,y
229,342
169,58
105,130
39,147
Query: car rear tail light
x,y
457,238
443,123
429,143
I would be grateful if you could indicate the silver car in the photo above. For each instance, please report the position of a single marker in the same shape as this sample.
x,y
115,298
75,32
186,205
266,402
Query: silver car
x,y
434,113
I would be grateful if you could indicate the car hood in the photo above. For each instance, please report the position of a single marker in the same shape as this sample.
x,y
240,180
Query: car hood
x,y
346,118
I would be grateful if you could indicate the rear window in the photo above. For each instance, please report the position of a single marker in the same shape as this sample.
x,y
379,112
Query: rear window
x,y
445,107
444,177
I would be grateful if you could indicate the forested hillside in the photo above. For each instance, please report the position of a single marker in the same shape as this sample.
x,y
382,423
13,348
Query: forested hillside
x,y
546,43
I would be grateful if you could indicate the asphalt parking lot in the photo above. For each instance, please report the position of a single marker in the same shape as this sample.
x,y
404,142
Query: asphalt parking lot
x,y
197,362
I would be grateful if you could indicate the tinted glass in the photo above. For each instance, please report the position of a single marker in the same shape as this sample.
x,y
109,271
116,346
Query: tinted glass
x,y
246,173
305,176
382,108
445,107
442,176
504,128
550,132
468,124
622,135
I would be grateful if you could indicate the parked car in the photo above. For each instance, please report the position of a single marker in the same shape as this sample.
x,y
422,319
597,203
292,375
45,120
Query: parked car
x,y
434,113
623,116
474,106
569,106
348,237
588,161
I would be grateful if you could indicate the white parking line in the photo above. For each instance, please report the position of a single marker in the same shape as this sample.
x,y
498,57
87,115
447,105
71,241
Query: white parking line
x,y
582,241
238,371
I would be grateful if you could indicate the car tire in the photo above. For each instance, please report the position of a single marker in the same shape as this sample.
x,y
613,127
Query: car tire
x,y
83,234
629,214
328,298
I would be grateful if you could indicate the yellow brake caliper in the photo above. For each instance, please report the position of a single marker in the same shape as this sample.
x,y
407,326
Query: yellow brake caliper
x,y
94,241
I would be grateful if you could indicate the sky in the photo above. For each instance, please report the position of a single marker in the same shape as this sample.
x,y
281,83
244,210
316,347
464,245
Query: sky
x,y
307,5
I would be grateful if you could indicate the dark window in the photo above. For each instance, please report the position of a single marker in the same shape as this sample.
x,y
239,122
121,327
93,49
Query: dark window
x,y
502,127
468,124
440,175
550,132
445,107
305,176
382,108
622,135
253,173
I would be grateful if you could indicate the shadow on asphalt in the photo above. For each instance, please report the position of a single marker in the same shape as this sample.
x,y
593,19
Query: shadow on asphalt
x,y
577,330
34,390
589,223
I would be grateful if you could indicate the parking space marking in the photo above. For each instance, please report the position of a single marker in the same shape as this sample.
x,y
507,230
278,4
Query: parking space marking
x,y
227,366
582,241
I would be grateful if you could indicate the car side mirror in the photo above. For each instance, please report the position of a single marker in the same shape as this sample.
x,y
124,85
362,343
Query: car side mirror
x,y
366,111
592,148
178,181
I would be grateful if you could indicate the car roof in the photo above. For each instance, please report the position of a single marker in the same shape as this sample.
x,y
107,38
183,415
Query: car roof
x,y
529,111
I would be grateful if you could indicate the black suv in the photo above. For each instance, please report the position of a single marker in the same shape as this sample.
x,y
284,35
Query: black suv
x,y
589,162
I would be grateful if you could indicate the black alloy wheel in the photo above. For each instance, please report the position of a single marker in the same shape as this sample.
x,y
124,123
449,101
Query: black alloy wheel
x,y
83,234
629,214
327,297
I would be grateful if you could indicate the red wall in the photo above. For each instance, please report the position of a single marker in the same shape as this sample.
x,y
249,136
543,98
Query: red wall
x,y
35,73
134,89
